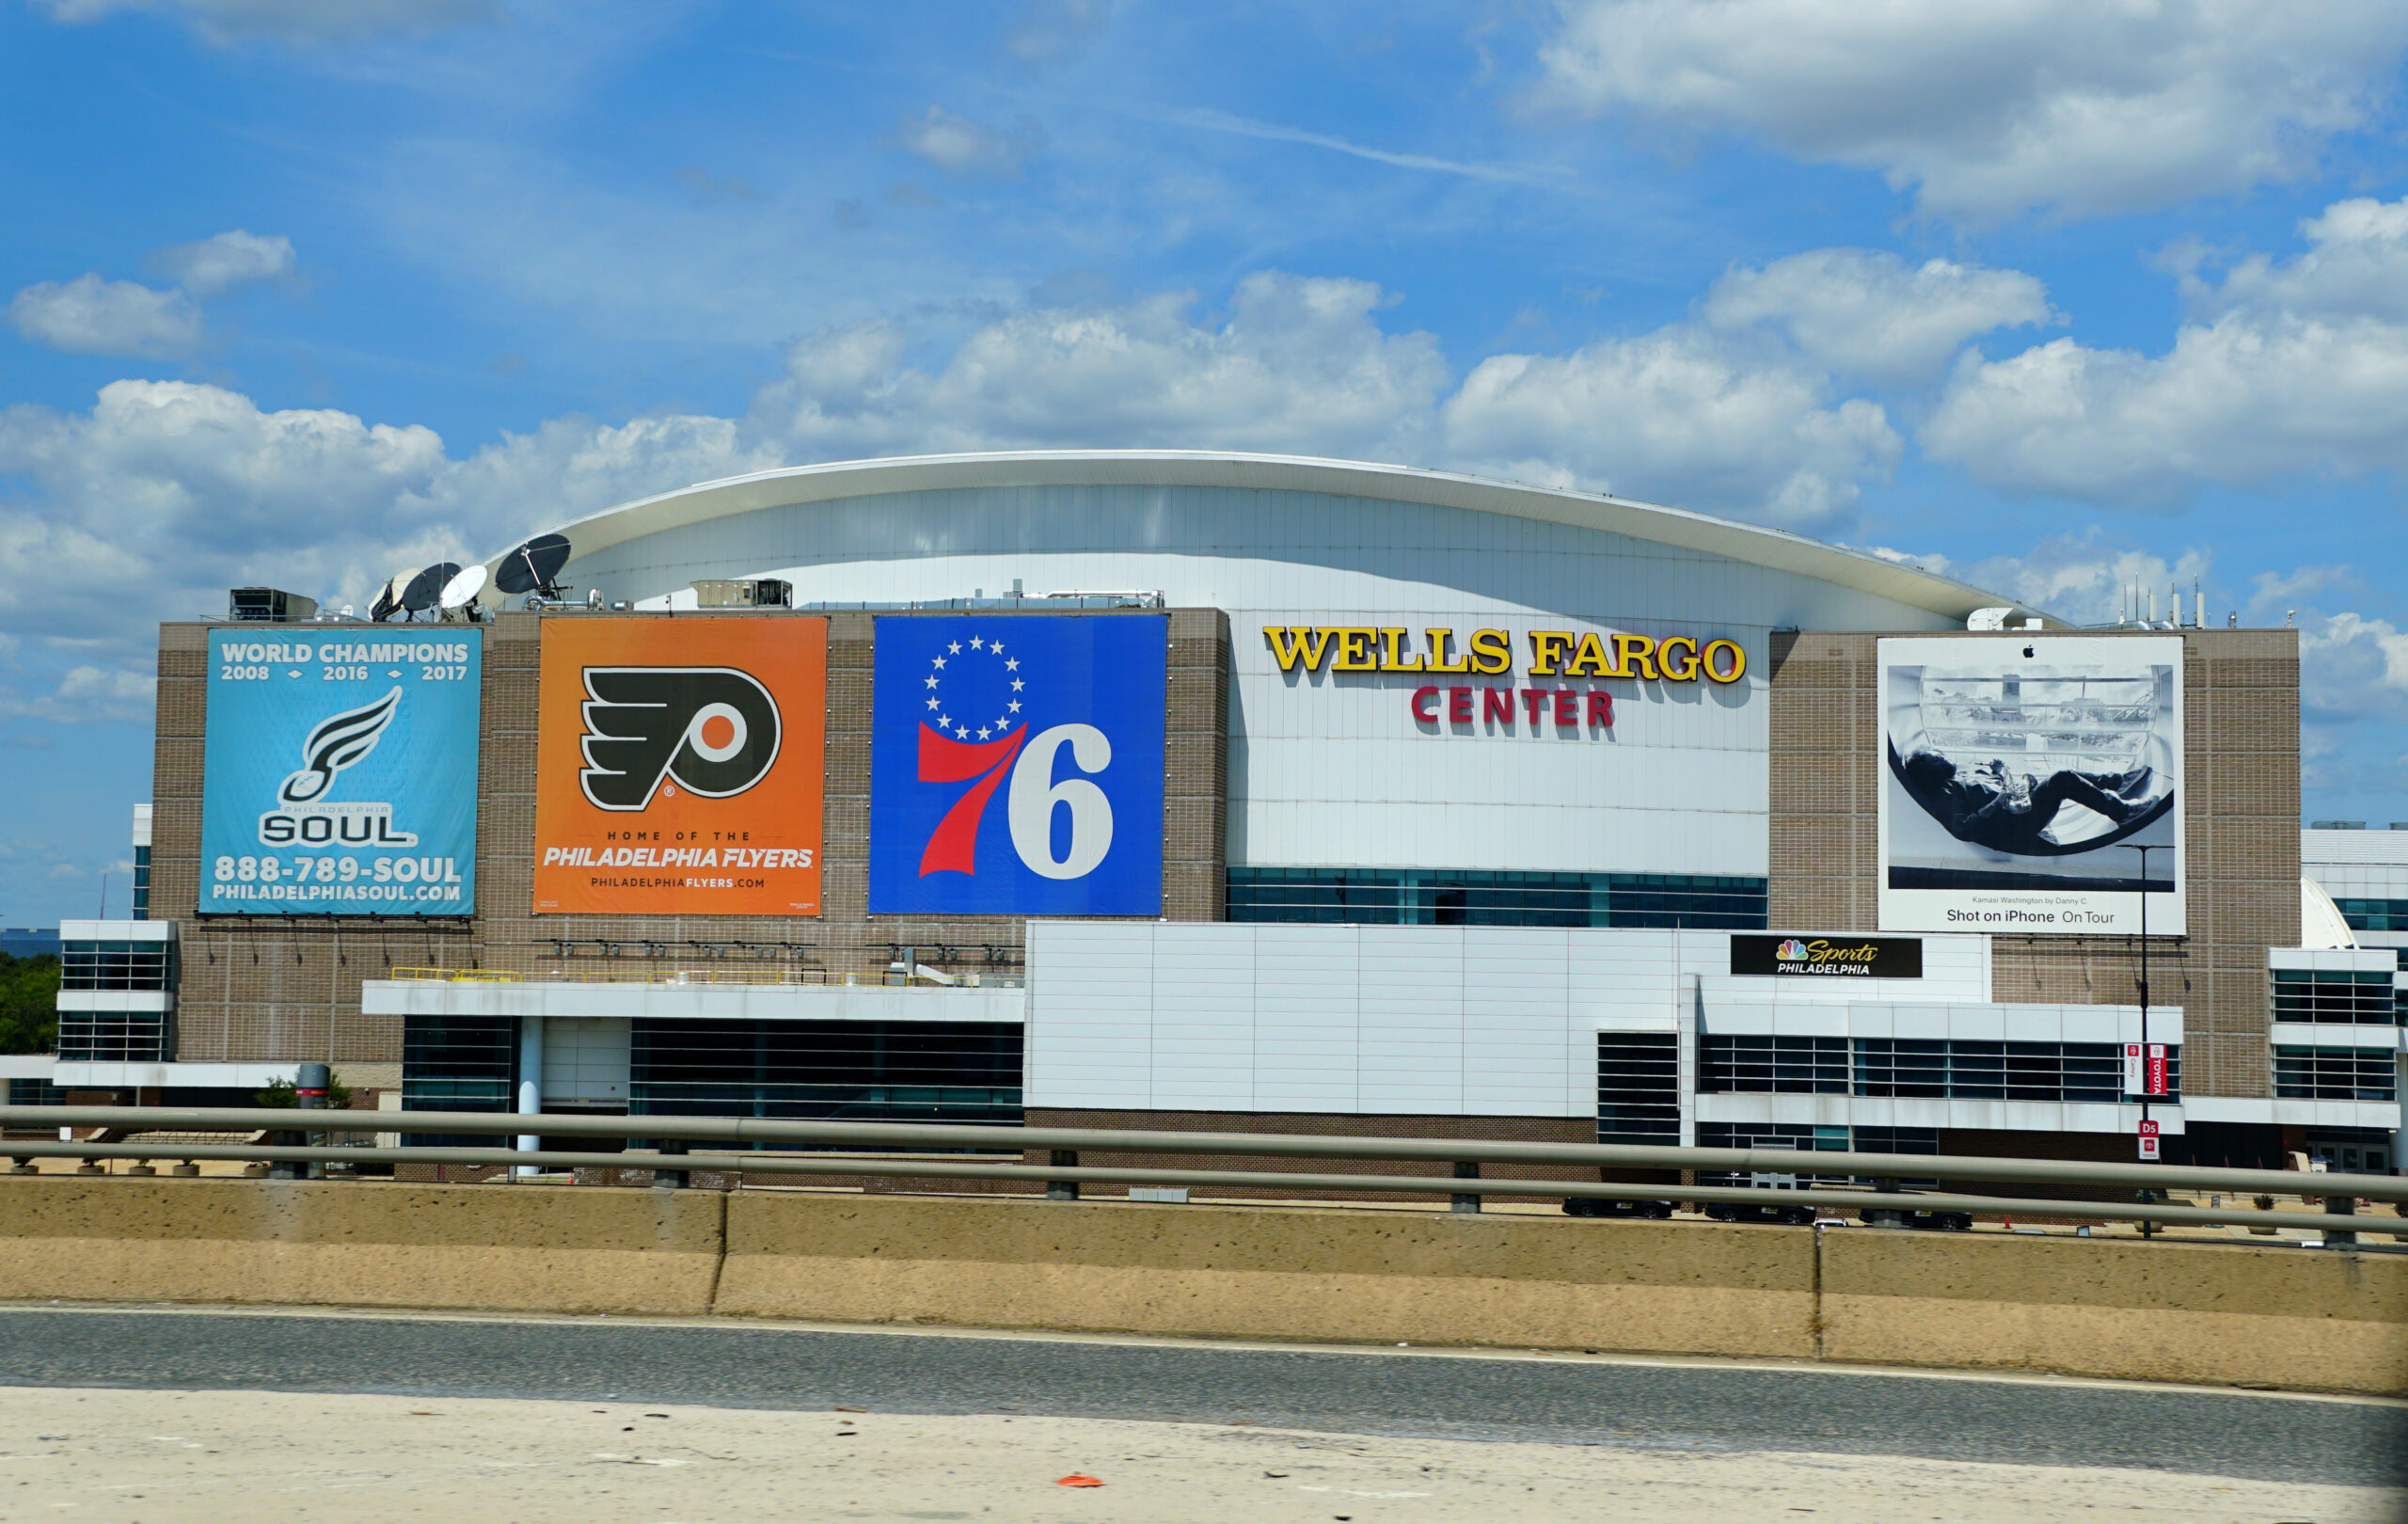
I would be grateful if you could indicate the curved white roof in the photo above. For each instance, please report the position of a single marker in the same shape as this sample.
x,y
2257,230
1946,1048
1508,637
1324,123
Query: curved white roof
x,y
793,484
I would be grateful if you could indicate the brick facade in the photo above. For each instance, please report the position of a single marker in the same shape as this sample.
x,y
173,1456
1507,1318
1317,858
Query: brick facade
x,y
287,988
2240,841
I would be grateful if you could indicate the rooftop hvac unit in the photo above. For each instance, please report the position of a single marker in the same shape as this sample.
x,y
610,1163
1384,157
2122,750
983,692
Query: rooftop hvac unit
x,y
744,592
269,605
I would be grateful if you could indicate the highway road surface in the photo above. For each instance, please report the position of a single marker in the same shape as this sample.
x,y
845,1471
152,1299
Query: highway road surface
x,y
201,1415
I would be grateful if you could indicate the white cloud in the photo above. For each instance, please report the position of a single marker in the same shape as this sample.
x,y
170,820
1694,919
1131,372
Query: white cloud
x,y
1992,108
167,493
2299,365
568,467
960,146
1299,364
2080,579
88,315
2352,667
231,259
304,21
1050,31
1674,416
1872,314
86,693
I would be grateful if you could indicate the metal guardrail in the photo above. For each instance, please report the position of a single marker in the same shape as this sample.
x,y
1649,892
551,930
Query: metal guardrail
x,y
1064,1174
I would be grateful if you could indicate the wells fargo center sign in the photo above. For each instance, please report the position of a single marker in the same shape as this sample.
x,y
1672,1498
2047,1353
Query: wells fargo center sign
x,y
1565,656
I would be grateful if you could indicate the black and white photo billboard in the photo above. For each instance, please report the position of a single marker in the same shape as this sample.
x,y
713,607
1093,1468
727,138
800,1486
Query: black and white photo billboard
x,y
2032,783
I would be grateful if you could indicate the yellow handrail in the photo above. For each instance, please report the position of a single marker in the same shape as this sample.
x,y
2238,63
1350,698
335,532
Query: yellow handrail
x,y
456,976
637,975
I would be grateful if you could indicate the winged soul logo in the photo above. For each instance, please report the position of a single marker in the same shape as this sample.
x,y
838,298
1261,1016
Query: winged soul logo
x,y
337,743
304,817
712,730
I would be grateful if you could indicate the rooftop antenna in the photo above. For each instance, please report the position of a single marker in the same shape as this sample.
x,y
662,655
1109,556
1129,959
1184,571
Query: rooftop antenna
x,y
461,591
387,602
534,567
425,590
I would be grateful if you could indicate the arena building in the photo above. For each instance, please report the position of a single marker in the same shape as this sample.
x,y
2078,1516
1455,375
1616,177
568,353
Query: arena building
x,y
1204,790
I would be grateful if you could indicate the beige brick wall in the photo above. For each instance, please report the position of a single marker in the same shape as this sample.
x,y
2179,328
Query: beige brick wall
x,y
2241,750
272,987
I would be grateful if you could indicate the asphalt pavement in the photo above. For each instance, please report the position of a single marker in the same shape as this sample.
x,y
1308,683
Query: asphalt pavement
x,y
1687,1407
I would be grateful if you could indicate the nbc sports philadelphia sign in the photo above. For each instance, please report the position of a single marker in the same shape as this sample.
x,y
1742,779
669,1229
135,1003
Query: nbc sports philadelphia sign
x,y
1845,957
340,773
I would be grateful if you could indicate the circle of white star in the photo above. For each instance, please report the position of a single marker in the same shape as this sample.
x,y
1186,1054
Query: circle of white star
x,y
940,713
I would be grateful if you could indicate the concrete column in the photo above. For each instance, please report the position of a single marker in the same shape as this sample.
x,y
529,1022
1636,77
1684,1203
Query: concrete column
x,y
530,1081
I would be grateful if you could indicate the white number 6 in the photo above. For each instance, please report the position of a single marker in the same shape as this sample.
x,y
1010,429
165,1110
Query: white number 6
x,y
1034,794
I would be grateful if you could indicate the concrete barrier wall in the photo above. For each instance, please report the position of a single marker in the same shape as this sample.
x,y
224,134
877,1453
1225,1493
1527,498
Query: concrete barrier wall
x,y
2165,1312
1273,1272
357,1245
2201,1312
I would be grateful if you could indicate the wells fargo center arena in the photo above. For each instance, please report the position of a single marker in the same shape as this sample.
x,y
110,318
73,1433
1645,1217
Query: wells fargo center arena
x,y
1202,790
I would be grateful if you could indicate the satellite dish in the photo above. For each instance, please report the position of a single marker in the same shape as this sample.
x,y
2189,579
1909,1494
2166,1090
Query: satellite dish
x,y
464,587
427,589
387,602
531,567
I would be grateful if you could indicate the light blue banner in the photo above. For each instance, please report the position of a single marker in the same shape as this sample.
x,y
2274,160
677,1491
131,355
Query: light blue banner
x,y
341,771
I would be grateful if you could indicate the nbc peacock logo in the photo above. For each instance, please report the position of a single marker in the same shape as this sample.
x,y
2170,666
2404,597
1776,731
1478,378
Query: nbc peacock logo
x,y
1791,950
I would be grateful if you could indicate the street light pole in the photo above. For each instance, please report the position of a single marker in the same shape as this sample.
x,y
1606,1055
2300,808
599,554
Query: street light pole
x,y
2148,1229
2144,882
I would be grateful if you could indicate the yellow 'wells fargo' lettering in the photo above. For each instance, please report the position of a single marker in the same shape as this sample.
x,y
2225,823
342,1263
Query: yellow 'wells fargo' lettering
x,y
1554,653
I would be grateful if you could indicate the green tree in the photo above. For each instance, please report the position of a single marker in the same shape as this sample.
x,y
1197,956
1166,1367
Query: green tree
x,y
28,1003
280,1092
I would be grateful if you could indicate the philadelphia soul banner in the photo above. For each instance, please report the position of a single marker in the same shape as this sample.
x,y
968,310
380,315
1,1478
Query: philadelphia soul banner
x,y
341,771
1015,765
2033,783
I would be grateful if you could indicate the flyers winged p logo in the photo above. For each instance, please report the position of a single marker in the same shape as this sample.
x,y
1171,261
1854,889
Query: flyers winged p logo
x,y
336,743
713,730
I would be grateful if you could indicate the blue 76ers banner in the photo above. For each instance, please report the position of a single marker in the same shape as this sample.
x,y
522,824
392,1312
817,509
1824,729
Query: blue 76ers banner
x,y
1015,765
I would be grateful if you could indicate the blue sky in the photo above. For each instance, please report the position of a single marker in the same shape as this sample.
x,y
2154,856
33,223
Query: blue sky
x,y
2053,295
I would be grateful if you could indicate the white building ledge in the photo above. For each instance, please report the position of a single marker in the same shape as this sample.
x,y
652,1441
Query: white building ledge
x,y
691,1002
2268,1110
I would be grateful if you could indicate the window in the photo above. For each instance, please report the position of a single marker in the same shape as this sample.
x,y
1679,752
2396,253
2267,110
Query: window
x,y
116,965
1439,896
1672,899
1928,1068
934,1072
2347,997
1639,1088
142,883
2336,1073
459,1063
2374,915
1974,1071
1805,1138
1362,896
1748,1063
1897,1140
115,1037
35,1092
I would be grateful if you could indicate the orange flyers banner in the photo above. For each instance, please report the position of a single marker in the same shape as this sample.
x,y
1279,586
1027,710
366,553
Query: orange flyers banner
x,y
678,766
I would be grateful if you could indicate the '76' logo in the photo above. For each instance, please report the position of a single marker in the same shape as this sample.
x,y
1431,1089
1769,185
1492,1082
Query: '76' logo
x,y
948,756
